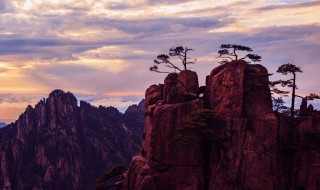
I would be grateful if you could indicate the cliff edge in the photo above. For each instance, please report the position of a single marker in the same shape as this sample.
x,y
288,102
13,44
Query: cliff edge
x,y
250,147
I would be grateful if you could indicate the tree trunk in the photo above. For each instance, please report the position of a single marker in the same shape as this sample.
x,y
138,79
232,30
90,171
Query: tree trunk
x,y
293,94
185,60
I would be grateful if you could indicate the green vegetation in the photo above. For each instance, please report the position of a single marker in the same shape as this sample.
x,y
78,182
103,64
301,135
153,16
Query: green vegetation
x,y
292,69
311,96
278,104
200,125
286,69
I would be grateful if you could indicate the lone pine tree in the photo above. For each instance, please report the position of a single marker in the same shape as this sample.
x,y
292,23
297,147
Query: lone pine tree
x,y
229,53
286,69
179,52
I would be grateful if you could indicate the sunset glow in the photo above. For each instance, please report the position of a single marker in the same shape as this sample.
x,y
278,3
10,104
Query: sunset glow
x,y
101,50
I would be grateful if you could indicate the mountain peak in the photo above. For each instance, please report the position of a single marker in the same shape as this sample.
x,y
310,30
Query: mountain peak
x,y
61,93
60,145
56,92
59,96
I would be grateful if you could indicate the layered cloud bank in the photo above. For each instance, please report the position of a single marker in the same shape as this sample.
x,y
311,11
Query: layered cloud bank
x,y
104,48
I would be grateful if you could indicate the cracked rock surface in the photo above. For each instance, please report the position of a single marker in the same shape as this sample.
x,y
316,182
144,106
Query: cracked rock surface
x,y
259,151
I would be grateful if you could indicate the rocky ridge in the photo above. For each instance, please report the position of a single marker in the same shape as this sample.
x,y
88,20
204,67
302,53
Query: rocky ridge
x,y
260,149
60,145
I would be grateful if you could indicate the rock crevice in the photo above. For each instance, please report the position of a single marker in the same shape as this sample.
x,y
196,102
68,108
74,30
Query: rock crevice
x,y
252,154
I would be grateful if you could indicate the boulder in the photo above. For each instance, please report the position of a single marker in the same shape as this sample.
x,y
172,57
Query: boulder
x,y
238,89
181,87
188,82
153,94
169,91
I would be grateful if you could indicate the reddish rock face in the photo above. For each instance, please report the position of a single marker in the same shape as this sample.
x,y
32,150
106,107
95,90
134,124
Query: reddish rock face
x,y
249,159
246,161
224,89
188,82
254,150
178,88
157,142
59,145
306,160
170,82
257,101
162,149
238,89
141,176
153,94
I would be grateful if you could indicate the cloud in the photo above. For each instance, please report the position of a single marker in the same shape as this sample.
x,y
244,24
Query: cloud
x,y
105,47
121,103
12,105
67,69
161,25
118,6
5,6
289,6
64,40
44,49
2,70
171,2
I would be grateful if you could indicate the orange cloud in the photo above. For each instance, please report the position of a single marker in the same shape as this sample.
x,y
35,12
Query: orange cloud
x,y
108,45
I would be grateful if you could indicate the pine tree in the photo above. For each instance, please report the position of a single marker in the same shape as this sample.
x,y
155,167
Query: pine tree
x,y
229,53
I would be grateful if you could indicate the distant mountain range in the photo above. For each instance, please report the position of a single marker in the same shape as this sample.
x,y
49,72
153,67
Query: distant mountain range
x,y
60,145
2,124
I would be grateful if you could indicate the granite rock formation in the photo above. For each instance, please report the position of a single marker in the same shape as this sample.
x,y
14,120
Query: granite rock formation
x,y
260,150
60,145
238,89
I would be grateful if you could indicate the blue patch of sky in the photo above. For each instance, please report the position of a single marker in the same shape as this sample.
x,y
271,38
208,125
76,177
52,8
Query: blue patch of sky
x,y
315,103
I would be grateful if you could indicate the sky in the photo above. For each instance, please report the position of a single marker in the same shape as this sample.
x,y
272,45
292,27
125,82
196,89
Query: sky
x,y
101,50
